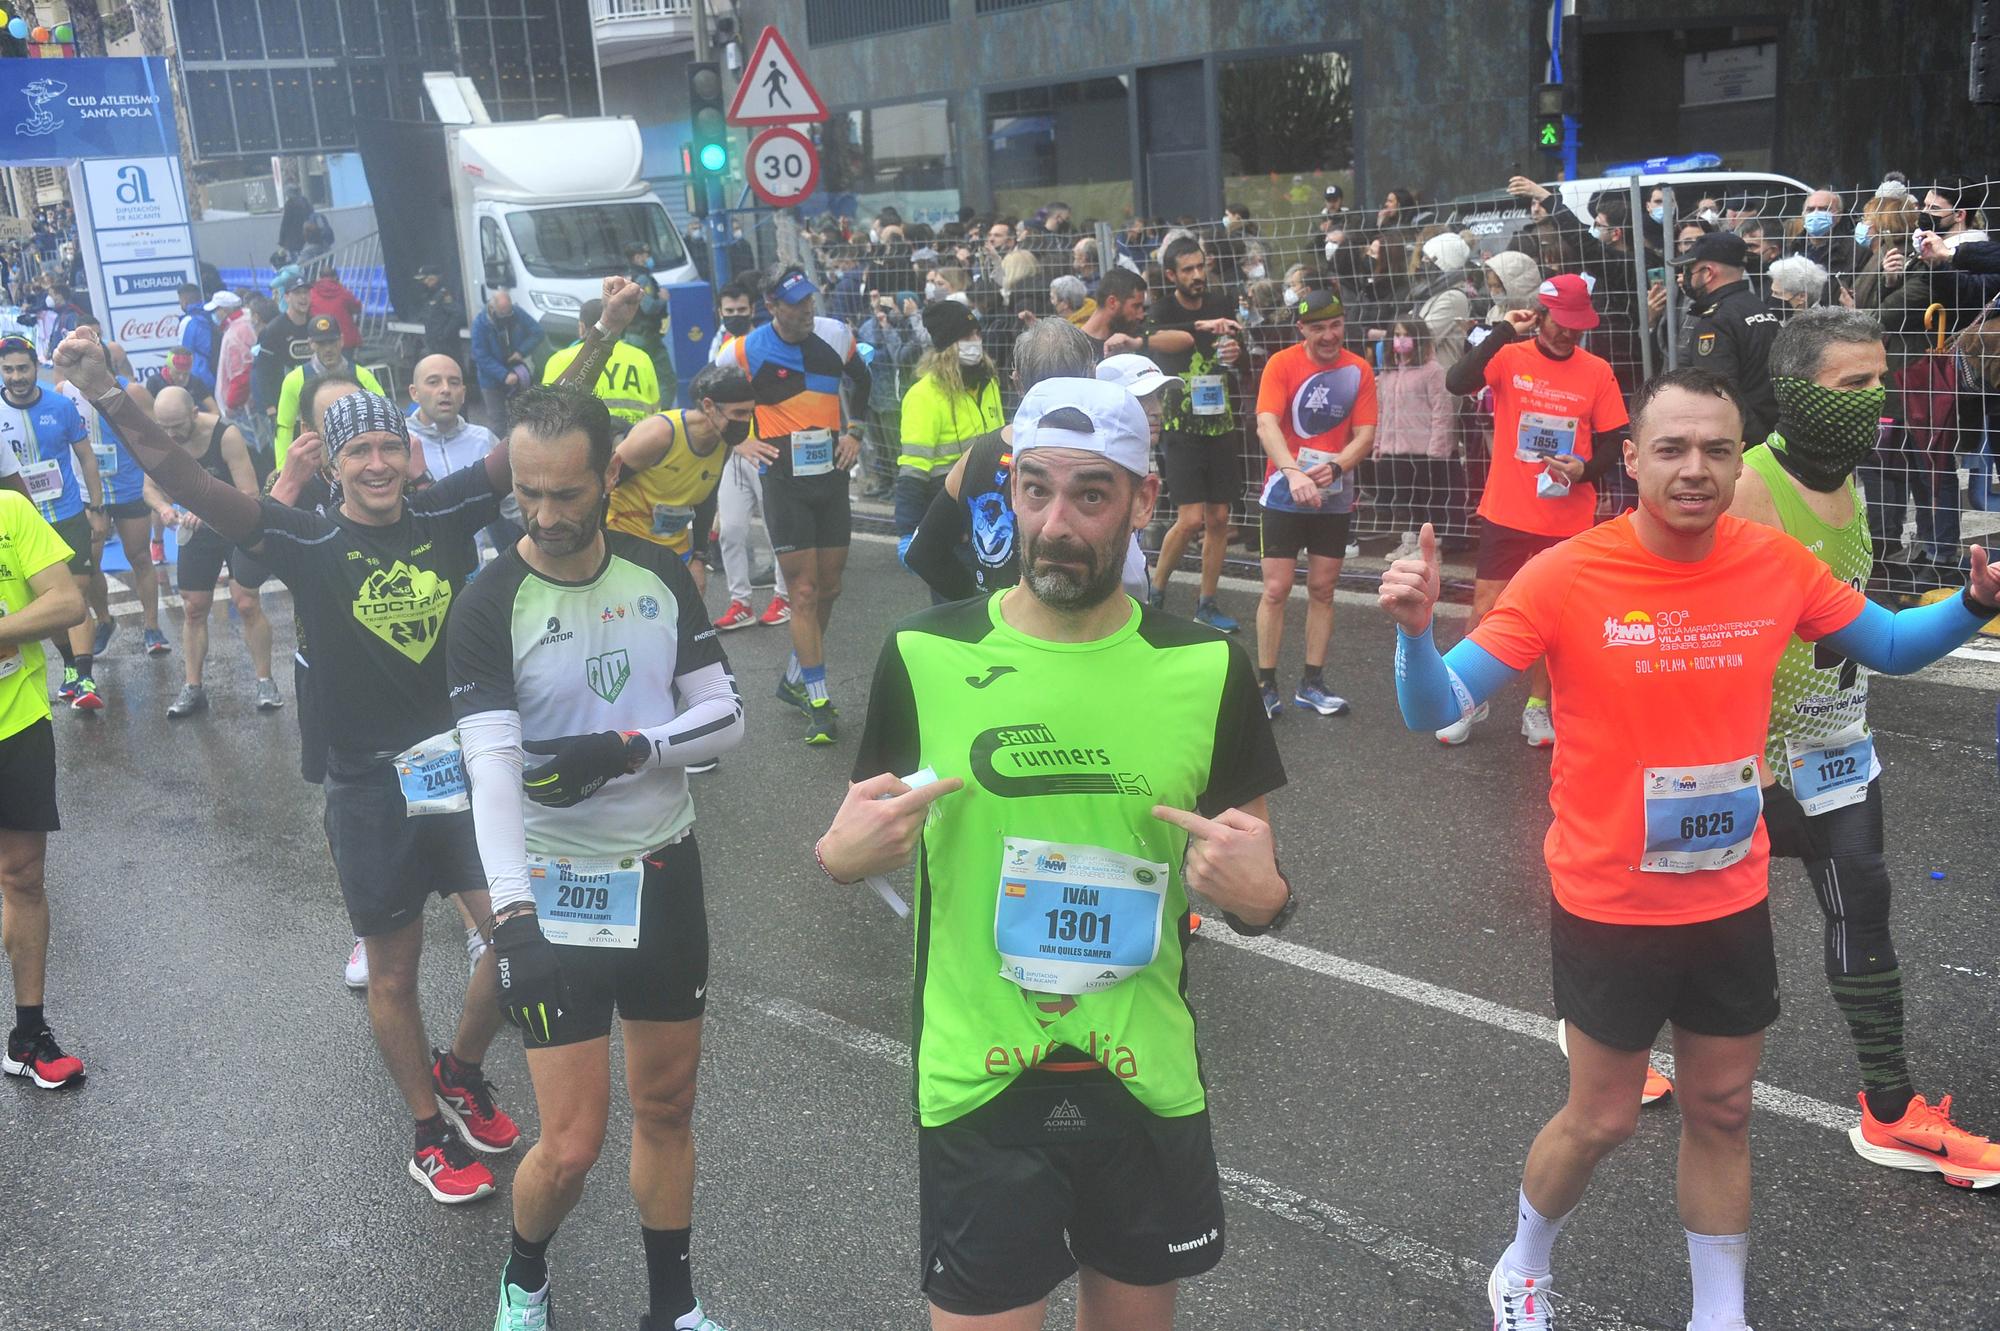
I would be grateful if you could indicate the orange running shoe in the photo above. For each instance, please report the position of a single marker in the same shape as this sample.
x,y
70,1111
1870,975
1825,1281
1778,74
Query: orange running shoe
x,y
1925,1139
1657,1086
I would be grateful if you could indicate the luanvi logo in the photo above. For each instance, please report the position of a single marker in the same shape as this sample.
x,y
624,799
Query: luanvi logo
x,y
992,673
1015,762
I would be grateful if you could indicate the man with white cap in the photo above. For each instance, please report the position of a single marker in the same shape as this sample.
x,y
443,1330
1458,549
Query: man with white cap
x,y
1030,793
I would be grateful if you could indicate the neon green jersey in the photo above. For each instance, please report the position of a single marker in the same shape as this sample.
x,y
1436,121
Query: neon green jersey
x,y
1064,749
28,544
1817,695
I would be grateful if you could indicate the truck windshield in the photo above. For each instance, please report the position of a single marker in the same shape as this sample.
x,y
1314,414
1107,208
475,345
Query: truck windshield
x,y
589,240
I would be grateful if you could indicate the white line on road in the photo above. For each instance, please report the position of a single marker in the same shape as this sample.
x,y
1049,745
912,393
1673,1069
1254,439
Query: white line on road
x,y
1399,1250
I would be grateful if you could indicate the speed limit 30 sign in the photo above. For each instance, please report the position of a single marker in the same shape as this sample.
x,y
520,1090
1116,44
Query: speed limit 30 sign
x,y
783,167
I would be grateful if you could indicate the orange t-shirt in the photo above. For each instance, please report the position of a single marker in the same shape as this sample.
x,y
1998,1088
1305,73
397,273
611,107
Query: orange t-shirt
x,y
1544,405
1317,405
1662,695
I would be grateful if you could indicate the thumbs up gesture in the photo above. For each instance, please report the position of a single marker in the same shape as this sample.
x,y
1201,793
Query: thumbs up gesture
x,y
1410,586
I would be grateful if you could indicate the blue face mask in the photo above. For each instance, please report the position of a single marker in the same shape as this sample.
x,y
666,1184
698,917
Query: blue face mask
x,y
1658,212
1861,234
1819,222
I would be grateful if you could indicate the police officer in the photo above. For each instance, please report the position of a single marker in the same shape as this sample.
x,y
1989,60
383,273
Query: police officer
x,y
438,311
1730,325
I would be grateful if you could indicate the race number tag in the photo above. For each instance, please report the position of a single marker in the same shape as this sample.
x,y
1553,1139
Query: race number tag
x,y
812,452
432,775
1700,817
1335,498
1832,777
587,902
671,519
44,480
107,459
1542,437
1075,919
1207,396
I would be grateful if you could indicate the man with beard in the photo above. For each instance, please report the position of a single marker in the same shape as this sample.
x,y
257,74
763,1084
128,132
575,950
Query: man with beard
x,y
596,879
1121,311
1065,1079
1729,324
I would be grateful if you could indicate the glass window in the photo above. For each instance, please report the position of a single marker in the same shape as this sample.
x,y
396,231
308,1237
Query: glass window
x,y
1287,132
493,262
893,156
293,94
336,111
589,240
282,39
241,39
209,116
256,130
1071,141
194,24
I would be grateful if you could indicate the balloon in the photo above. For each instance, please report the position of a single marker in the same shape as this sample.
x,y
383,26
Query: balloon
x,y
39,34
4,16
18,27
64,33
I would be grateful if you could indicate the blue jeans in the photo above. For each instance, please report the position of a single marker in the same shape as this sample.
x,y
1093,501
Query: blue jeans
x,y
1896,479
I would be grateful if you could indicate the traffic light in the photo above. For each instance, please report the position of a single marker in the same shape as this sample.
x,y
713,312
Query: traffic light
x,y
710,143
1550,102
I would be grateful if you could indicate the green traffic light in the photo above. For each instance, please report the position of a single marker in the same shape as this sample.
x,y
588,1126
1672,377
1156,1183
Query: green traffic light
x,y
1551,135
714,157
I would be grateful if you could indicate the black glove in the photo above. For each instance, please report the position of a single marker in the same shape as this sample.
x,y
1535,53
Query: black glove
x,y
531,982
1789,826
578,766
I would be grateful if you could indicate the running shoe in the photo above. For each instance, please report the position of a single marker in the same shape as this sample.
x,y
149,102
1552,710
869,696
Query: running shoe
x,y
1538,727
795,694
470,1106
1319,700
1156,598
520,1310
156,643
702,1322
475,948
703,768
193,698
1460,730
449,1171
778,612
105,628
1407,548
159,552
268,697
67,692
737,616
1274,706
1925,1139
36,1056
820,728
87,698
1206,611
1354,549
357,966
1519,1303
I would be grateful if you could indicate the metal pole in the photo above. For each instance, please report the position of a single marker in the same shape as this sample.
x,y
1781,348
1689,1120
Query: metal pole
x,y
699,11
1668,220
1635,239
1107,251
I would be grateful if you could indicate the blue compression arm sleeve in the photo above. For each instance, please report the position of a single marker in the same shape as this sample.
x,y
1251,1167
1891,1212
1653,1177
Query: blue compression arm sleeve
x,y
1435,691
1900,642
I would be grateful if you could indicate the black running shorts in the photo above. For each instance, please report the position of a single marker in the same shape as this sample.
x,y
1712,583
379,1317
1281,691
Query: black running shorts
x,y
1504,550
129,510
75,532
1057,1171
1202,468
809,513
389,863
1619,983
28,779
665,978
1321,535
202,557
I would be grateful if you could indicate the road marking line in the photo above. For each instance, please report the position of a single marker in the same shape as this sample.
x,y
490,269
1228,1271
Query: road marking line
x,y
1324,1218
1789,1103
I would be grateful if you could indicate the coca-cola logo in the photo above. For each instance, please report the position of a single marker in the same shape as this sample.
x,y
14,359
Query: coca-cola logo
x,y
164,326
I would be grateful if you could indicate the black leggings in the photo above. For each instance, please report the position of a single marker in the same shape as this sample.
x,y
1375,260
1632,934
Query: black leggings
x,y
1850,876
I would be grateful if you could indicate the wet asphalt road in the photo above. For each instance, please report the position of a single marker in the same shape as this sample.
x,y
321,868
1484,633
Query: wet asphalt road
x,y
237,1157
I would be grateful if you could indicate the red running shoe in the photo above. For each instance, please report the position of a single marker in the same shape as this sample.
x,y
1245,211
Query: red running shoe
x,y
40,1059
468,1102
778,612
737,616
449,1171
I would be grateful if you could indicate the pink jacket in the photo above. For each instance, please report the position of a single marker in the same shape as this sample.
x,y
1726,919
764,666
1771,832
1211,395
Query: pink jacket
x,y
1416,413
232,371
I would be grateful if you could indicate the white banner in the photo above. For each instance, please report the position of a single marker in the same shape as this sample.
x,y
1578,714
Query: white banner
x,y
137,247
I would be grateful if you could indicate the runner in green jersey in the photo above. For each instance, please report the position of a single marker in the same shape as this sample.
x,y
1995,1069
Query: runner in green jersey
x,y
1828,368
1055,1055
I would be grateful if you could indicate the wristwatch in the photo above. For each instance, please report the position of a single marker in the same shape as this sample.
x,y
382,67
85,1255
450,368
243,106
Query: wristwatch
x,y
1277,922
637,749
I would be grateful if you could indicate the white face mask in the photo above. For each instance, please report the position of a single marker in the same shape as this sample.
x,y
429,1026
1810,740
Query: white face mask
x,y
932,291
1331,247
970,351
1601,234
1291,295
1255,272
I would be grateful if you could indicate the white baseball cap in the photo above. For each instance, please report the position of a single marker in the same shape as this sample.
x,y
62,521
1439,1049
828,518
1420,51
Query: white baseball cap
x,y
1135,373
223,300
1086,414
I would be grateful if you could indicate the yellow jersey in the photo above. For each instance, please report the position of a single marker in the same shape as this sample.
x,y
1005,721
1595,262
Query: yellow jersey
x,y
659,502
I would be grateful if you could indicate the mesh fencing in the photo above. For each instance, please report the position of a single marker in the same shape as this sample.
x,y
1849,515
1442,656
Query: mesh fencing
x,y
1443,272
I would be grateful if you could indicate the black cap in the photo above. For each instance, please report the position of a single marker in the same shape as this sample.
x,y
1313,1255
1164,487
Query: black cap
x,y
947,321
322,326
429,270
1333,191
1723,247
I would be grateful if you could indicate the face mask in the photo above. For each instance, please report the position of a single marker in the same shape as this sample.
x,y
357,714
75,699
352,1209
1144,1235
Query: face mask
x,y
734,432
1243,314
933,291
1601,234
1230,221
1658,212
1332,247
874,236
1404,346
1710,216
1291,295
736,324
1819,222
1861,230
971,351
1826,432
1254,273
1690,286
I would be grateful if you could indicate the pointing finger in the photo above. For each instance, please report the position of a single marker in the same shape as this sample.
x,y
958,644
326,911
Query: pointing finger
x,y
1191,823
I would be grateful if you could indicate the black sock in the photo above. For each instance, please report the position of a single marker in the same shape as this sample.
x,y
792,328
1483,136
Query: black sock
x,y
28,1018
84,661
1314,675
430,1131
459,1072
1268,678
528,1264
669,1278
68,656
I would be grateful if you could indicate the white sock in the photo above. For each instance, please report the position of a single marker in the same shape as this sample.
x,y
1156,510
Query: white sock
x,y
1717,1261
1534,1238
794,672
